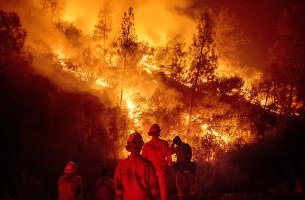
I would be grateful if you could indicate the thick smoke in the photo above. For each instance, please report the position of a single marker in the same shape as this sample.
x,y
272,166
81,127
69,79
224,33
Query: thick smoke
x,y
42,35
154,21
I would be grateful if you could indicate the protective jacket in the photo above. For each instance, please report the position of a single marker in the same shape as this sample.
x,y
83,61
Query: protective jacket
x,y
70,187
135,179
157,151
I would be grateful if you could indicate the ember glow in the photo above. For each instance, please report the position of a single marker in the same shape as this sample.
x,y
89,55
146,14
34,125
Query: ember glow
x,y
101,82
133,109
78,73
148,64
145,96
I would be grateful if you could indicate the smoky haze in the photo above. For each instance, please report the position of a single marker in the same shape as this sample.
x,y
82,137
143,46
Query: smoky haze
x,y
96,91
155,21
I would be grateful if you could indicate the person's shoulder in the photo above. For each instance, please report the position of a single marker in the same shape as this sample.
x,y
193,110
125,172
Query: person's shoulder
x,y
147,143
164,141
187,145
121,162
61,179
64,178
77,177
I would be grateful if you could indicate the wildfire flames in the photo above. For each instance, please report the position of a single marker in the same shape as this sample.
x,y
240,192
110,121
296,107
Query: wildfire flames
x,y
148,65
96,64
136,109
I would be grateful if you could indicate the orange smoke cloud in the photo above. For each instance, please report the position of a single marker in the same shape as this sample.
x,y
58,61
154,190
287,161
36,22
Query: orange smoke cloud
x,y
154,20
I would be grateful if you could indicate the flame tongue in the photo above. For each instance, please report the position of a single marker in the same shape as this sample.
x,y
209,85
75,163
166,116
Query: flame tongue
x,y
133,102
136,108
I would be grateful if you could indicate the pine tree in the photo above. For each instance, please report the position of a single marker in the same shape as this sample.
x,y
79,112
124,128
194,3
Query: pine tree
x,y
103,27
12,35
126,44
288,56
172,57
203,57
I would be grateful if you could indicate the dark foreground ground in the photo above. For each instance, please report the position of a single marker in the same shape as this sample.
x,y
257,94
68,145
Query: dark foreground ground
x,y
256,196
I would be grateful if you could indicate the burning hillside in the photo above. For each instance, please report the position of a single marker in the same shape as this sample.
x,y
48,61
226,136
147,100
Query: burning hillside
x,y
180,84
122,68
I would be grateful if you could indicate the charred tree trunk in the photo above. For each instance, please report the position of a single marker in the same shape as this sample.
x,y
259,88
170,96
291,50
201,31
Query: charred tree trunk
x,y
291,91
274,94
192,102
291,79
194,89
267,95
122,81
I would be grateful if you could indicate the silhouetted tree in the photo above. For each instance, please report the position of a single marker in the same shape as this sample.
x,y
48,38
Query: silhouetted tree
x,y
203,57
126,44
53,6
72,33
288,56
103,28
173,57
12,35
228,37
268,90
230,85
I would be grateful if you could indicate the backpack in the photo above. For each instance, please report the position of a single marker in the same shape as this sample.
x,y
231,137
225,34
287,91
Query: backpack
x,y
187,166
188,152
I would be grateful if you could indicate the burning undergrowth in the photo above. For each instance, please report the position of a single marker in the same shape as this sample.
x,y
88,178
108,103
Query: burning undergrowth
x,y
101,85
169,85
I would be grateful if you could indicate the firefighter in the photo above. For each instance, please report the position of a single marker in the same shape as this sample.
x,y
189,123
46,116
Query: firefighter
x,y
157,151
135,177
184,169
70,185
104,189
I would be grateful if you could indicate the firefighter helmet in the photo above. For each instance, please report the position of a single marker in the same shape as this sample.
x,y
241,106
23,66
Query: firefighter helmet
x,y
154,130
135,141
70,168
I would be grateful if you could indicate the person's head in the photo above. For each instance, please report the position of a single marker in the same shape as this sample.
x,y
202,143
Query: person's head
x,y
177,140
135,143
154,130
71,168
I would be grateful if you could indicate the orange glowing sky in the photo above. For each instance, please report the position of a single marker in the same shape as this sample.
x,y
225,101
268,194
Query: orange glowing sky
x,y
154,19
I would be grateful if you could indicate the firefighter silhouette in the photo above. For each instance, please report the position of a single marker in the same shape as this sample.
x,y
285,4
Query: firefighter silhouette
x,y
135,177
157,151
